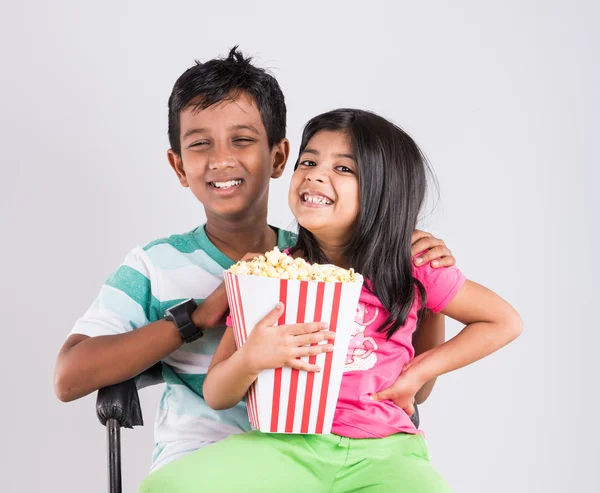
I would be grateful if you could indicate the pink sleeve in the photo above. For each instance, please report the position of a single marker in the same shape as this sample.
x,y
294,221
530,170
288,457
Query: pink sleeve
x,y
229,321
441,284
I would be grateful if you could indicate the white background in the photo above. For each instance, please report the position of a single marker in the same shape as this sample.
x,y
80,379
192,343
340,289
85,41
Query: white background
x,y
503,98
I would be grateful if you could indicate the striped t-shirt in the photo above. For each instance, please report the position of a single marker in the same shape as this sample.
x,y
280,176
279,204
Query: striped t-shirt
x,y
151,280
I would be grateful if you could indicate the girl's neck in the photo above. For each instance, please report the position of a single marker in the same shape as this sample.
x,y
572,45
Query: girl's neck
x,y
333,251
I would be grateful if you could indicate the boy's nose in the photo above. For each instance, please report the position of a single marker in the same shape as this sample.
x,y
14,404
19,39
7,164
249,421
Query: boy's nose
x,y
221,159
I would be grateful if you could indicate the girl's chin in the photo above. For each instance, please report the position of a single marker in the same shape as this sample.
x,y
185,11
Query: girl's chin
x,y
315,226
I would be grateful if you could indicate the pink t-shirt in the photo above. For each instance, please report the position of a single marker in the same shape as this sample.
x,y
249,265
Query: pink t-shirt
x,y
374,363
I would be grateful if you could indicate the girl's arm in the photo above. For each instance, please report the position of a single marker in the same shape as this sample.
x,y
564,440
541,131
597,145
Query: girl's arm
x,y
430,334
491,323
233,371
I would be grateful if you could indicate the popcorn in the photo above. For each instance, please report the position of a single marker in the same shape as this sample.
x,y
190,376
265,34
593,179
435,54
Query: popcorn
x,y
278,265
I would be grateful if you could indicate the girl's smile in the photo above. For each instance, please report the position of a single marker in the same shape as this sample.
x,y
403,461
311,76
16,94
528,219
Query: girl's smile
x,y
324,192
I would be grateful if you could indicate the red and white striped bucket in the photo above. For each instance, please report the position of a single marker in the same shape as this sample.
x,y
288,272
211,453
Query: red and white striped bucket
x,y
286,400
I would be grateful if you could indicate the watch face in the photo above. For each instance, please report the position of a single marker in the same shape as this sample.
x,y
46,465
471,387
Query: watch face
x,y
175,307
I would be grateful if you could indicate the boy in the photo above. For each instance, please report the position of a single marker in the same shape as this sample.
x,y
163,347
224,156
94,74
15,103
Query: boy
x,y
227,123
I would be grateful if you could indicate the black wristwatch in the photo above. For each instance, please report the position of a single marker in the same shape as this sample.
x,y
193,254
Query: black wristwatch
x,y
181,314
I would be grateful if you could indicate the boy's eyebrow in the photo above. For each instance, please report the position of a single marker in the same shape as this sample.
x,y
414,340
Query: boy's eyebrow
x,y
252,128
193,131
316,153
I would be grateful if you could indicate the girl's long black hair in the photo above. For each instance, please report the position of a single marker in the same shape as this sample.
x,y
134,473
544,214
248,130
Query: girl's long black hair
x,y
392,183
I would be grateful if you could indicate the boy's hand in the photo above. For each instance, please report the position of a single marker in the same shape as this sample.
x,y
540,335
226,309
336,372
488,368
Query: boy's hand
x,y
213,310
403,391
430,249
270,346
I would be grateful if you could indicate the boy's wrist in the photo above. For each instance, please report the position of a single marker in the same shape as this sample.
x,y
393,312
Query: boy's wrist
x,y
198,318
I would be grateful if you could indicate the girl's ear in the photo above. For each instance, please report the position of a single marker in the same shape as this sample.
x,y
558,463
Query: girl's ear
x,y
177,164
279,157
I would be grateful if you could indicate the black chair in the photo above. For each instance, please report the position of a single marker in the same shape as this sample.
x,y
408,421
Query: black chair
x,y
118,406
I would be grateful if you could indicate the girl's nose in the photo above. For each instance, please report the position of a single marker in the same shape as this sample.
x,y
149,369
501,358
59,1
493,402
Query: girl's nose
x,y
314,175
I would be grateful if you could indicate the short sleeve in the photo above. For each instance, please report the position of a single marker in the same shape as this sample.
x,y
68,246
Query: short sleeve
x,y
125,302
441,284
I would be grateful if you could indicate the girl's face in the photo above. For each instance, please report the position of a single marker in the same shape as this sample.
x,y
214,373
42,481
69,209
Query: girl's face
x,y
324,192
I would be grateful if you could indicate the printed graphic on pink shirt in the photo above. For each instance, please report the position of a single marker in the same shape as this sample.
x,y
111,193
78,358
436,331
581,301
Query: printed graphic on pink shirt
x,y
362,350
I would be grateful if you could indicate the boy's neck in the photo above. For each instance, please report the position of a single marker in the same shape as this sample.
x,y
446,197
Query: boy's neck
x,y
237,238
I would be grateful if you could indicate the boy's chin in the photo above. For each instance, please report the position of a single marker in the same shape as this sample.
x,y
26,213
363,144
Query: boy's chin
x,y
229,211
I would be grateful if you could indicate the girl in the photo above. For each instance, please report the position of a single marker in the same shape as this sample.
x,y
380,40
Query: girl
x,y
358,186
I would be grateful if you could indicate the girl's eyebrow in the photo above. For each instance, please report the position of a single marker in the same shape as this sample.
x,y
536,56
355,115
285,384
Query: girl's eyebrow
x,y
316,153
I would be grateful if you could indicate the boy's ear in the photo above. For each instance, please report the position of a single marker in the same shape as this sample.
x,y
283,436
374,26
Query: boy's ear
x,y
279,157
177,164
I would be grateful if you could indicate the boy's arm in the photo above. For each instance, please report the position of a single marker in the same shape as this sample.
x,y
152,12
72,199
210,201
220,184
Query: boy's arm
x,y
86,364
430,334
123,333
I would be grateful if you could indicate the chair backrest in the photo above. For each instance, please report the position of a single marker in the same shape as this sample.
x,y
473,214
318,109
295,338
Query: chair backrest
x,y
152,376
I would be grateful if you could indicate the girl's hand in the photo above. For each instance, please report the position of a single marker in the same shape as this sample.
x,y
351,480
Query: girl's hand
x,y
403,391
270,346
427,248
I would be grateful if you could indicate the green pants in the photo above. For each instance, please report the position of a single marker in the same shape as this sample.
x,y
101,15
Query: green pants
x,y
275,463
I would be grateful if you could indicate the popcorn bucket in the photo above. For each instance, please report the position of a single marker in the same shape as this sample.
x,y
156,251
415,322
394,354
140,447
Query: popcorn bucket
x,y
287,400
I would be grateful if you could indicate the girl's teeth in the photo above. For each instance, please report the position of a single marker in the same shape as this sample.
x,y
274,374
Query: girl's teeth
x,y
226,184
316,199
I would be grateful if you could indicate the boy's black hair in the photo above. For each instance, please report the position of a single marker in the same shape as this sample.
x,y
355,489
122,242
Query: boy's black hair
x,y
392,184
209,83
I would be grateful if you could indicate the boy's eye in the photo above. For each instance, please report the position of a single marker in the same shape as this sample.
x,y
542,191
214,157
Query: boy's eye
x,y
243,141
307,162
199,143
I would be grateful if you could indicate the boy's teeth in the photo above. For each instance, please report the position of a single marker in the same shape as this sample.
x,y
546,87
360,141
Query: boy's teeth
x,y
316,199
226,184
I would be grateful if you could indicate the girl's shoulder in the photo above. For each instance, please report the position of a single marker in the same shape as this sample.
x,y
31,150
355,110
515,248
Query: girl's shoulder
x,y
441,284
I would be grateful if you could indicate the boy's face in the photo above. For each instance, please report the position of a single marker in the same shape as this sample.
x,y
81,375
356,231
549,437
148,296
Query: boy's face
x,y
225,157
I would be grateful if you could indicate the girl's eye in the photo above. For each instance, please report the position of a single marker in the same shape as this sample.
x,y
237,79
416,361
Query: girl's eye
x,y
307,162
345,169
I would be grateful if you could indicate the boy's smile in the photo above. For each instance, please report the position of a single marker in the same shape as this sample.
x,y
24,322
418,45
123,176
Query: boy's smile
x,y
225,157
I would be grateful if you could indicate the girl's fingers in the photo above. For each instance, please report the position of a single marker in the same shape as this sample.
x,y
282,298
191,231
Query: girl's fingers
x,y
304,339
307,328
312,350
271,317
298,364
410,409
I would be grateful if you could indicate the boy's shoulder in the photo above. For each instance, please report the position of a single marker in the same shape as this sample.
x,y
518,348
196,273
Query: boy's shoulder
x,y
195,248
286,238
187,242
